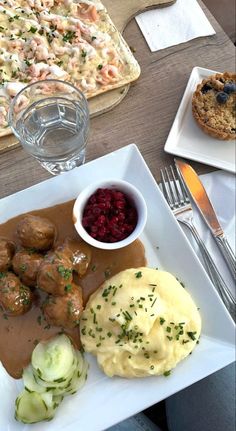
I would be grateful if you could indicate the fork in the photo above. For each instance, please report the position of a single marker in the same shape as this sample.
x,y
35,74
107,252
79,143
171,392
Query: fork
x,y
175,193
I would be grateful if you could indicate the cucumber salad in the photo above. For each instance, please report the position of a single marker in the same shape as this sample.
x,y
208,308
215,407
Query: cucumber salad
x,y
57,369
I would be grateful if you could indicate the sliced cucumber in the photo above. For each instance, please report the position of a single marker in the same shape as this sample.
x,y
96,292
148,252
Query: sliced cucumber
x,y
59,391
63,389
30,382
76,381
80,361
59,383
56,370
57,401
52,361
79,379
31,408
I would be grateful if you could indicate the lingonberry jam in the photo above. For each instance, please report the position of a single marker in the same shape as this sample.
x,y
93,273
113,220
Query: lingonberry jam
x,y
109,215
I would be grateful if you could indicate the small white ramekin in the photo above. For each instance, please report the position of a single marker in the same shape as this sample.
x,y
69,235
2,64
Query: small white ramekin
x,y
131,192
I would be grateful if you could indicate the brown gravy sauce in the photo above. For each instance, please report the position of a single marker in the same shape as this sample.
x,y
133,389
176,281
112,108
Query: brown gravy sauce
x,y
19,335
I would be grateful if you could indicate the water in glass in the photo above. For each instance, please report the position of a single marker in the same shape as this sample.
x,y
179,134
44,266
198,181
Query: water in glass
x,y
54,130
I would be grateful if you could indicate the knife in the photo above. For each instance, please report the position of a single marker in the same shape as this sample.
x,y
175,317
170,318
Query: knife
x,y
201,199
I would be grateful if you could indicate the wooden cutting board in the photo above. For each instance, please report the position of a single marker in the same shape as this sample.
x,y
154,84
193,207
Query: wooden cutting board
x,y
121,12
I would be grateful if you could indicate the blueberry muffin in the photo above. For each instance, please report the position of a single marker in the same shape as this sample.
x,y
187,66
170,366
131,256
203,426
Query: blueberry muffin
x,y
214,105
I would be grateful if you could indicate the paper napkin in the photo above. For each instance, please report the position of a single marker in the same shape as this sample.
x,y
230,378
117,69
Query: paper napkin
x,y
171,25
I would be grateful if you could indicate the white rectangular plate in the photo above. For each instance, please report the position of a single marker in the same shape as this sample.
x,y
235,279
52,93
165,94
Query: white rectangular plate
x,y
105,401
186,139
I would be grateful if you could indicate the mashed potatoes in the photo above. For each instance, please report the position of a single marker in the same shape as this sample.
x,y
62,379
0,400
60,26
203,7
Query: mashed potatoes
x,y
140,322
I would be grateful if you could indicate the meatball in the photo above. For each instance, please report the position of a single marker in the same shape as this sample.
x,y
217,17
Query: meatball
x,y
81,255
26,265
55,272
15,298
7,250
36,232
65,310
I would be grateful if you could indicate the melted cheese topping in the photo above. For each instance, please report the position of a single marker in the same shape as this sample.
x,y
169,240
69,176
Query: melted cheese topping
x,y
65,39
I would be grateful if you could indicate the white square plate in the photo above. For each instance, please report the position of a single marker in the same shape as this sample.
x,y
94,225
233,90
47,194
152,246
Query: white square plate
x,y
186,139
105,401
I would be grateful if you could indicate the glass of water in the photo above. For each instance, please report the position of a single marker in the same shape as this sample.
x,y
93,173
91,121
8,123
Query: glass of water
x,y
51,120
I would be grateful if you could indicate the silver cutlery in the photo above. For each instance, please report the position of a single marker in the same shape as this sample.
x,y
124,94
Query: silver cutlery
x,y
176,195
202,201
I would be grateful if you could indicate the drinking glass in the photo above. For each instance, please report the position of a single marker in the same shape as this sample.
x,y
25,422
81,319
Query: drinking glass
x,y
51,120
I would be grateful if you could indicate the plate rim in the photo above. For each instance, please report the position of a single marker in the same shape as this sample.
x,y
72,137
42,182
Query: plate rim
x,y
131,151
171,148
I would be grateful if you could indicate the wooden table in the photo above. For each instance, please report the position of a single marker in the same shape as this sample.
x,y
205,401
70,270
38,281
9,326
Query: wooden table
x,y
224,12
146,114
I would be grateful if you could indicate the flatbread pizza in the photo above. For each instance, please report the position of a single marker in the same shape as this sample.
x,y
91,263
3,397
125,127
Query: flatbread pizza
x,y
60,39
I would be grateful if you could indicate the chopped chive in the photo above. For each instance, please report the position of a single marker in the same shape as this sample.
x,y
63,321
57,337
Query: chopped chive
x,y
68,36
154,302
68,288
33,29
64,272
23,267
192,335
